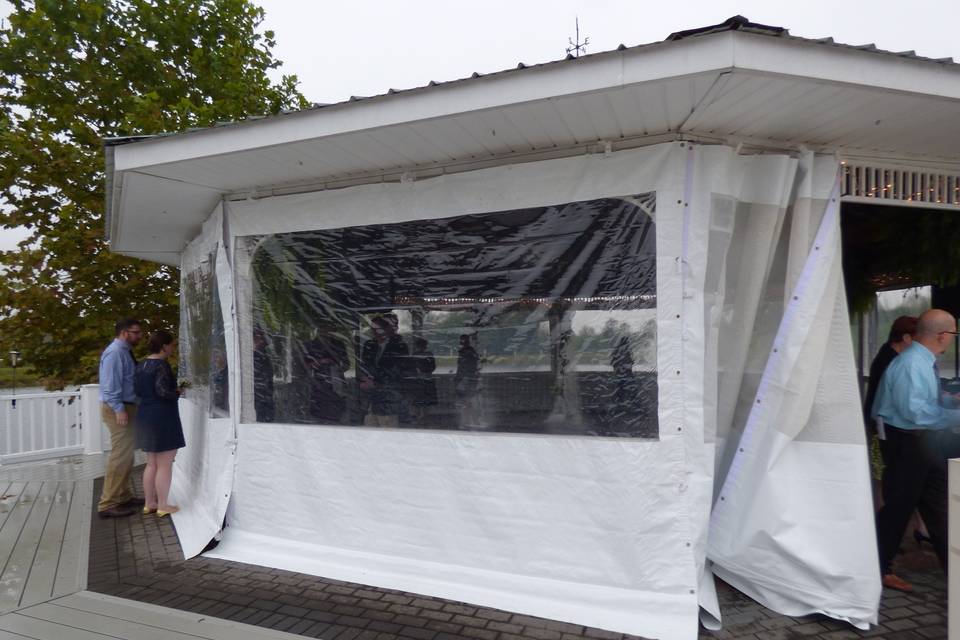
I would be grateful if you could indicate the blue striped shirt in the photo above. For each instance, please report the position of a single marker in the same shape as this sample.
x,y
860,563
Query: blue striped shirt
x,y
116,375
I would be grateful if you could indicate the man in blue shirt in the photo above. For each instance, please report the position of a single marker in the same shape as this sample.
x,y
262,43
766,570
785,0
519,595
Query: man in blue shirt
x,y
118,410
916,417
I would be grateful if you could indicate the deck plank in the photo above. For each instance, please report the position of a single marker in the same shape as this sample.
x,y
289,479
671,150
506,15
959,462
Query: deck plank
x,y
10,534
20,561
96,623
74,557
8,504
50,547
195,624
11,489
46,630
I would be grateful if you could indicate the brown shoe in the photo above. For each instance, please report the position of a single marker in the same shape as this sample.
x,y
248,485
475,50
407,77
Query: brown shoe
x,y
134,502
893,581
119,511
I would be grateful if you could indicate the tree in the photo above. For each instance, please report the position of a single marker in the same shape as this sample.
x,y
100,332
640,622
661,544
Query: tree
x,y
71,74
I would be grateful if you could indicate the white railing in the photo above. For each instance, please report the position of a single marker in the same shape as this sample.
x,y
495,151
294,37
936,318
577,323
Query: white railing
x,y
38,426
904,184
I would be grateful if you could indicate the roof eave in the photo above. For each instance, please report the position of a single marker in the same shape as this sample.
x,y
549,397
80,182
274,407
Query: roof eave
x,y
741,50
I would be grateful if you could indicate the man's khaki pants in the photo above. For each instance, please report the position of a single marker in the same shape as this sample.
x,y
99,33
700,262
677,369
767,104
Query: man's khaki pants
x,y
117,484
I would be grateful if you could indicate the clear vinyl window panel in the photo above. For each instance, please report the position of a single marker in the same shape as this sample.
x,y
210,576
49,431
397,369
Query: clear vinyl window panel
x,y
539,320
203,347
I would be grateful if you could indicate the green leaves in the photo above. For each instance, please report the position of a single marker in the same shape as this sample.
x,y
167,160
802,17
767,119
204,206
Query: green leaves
x,y
897,247
71,74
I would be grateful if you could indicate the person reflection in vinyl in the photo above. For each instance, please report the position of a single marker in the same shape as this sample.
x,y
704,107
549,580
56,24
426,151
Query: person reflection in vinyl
x,y
326,360
467,380
423,388
220,381
263,403
382,363
626,412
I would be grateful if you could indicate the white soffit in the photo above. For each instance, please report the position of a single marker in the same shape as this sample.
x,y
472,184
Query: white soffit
x,y
730,86
156,216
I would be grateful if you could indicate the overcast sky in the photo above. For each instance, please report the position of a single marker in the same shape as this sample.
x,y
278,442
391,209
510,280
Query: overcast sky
x,y
363,47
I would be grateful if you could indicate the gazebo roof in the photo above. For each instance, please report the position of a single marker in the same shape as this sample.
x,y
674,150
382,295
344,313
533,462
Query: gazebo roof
x,y
736,82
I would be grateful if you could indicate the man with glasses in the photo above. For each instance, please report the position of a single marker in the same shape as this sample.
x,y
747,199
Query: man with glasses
x,y
118,409
917,416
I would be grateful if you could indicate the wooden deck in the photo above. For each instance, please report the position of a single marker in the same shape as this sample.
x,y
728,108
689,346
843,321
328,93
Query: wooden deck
x,y
93,616
45,514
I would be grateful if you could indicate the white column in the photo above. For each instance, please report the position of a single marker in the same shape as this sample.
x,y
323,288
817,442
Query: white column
x,y
953,539
90,420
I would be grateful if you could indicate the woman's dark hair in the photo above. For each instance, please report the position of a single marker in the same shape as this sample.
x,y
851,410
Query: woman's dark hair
x,y
158,340
902,326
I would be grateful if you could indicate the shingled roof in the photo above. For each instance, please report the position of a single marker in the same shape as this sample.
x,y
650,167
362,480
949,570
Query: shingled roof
x,y
735,23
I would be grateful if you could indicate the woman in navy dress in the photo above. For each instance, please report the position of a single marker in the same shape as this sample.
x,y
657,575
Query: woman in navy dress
x,y
158,430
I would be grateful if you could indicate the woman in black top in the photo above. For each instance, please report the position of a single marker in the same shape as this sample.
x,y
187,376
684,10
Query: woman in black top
x,y
901,337
158,430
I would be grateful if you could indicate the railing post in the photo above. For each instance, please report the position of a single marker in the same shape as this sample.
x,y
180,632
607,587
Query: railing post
x,y
91,422
953,545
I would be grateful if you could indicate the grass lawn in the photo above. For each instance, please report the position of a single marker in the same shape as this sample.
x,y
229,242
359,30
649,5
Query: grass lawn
x,y
25,378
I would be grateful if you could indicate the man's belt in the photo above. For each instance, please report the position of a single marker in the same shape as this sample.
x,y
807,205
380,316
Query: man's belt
x,y
911,432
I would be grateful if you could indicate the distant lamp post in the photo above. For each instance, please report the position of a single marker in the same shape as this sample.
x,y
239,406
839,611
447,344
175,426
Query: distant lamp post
x,y
14,361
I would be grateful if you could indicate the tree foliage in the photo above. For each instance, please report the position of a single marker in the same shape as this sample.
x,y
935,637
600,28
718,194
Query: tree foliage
x,y
897,247
71,74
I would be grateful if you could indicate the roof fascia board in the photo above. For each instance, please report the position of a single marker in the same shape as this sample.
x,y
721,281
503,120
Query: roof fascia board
x,y
171,258
614,69
845,65
719,52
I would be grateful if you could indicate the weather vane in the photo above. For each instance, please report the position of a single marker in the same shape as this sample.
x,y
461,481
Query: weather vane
x,y
575,45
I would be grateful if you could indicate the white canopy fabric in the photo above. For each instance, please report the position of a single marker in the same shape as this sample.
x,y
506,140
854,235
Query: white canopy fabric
x,y
793,525
204,469
758,417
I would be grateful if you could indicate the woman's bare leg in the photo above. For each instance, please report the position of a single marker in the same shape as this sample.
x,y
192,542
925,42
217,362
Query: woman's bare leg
x,y
164,473
150,481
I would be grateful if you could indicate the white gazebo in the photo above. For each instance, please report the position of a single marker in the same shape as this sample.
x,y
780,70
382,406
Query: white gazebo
x,y
569,339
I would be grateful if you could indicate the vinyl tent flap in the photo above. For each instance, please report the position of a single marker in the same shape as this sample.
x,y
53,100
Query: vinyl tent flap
x,y
568,521
533,486
203,471
793,522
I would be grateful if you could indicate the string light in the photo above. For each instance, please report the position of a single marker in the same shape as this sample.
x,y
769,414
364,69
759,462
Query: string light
x,y
412,301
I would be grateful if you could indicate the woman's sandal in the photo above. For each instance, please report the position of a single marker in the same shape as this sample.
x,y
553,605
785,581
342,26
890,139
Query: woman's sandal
x,y
148,510
165,512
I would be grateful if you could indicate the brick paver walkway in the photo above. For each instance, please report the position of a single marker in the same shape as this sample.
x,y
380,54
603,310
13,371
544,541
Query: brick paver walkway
x,y
139,558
